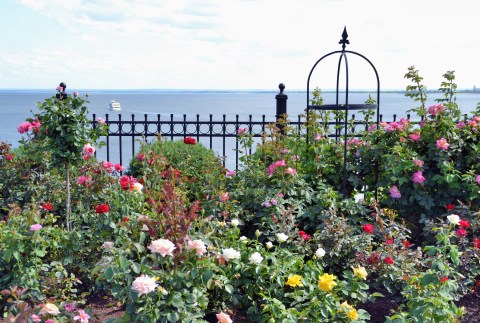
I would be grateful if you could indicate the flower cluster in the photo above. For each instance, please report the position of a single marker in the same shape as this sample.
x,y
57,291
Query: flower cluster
x,y
189,141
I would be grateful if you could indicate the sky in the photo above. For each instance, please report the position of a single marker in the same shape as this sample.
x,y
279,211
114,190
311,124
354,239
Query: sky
x,y
235,44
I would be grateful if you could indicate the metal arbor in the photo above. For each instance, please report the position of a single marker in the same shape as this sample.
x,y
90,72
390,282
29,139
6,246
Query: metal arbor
x,y
347,106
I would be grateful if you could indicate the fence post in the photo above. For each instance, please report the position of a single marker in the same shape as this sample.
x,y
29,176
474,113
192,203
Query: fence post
x,y
281,105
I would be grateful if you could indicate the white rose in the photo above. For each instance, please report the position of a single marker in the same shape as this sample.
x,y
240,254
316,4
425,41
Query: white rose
x,y
137,187
269,245
320,253
282,237
162,246
243,239
144,285
255,258
230,253
453,219
49,308
235,222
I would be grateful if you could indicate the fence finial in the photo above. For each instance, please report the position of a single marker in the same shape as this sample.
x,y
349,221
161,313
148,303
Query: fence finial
x,y
281,86
344,41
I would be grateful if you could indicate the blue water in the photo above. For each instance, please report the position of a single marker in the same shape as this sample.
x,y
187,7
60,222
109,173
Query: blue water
x,y
17,105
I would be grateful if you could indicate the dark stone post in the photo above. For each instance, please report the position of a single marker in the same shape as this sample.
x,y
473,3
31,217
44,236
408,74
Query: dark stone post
x,y
281,105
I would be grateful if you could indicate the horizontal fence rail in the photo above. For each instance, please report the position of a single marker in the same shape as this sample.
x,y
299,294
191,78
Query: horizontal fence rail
x,y
218,133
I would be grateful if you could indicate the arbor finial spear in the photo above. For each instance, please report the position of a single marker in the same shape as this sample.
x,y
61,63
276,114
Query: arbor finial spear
x,y
344,41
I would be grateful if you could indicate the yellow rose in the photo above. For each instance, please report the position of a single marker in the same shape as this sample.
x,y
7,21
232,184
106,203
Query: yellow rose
x,y
294,281
360,272
352,314
326,282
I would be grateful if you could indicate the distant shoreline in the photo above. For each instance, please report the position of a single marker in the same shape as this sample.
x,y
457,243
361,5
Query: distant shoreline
x,y
212,91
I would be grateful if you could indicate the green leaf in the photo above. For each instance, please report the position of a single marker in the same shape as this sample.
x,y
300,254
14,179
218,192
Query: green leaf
x,y
109,274
123,262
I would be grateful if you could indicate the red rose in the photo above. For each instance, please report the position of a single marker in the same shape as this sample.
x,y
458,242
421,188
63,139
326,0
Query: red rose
x,y
141,157
125,219
102,208
189,141
464,224
389,261
450,207
406,243
476,243
9,157
304,235
368,228
47,206
444,279
389,241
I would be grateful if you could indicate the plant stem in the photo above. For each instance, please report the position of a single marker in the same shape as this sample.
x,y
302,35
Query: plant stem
x,y
68,206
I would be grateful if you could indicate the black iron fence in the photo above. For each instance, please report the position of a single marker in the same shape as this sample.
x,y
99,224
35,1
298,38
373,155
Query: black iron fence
x,y
218,133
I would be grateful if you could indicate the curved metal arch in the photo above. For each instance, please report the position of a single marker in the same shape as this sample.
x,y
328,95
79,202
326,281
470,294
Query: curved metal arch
x,y
347,106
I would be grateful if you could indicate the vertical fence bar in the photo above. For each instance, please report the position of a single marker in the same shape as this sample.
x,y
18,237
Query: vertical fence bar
x,y
108,137
281,106
224,128
120,134
133,135
210,131
171,127
198,127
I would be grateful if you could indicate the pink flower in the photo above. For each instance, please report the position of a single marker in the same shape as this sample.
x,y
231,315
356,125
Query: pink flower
x,y
36,125
318,137
88,150
442,144
107,166
9,157
461,232
395,192
82,317
271,169
418,177
231,173
389,241
280,163
295,157
141,157
75,94
84,180
50,321
198,246
59,88
274,201
472,123
460,125
280,194
372,128
284,151
49,308
24,127
414,136
478,179
224,197
241,131
162,246
36,318
107,245
291,171
100,120
144,285
418,162
223,318
267,204
436,109
35,227
118,167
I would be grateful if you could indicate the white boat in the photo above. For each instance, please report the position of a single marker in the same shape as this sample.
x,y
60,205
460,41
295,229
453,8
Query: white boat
x,y
115,106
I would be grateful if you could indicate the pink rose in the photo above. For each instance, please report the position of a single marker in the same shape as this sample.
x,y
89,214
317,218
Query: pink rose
x,y
119,168
291,171
223,318
84,180
231,173
88,150
35,227
418,162
394,192
418,177
241,131
460,125
162,246
414,136
82,317
24,127
224,197
100,120
198,246
478,179
442,144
